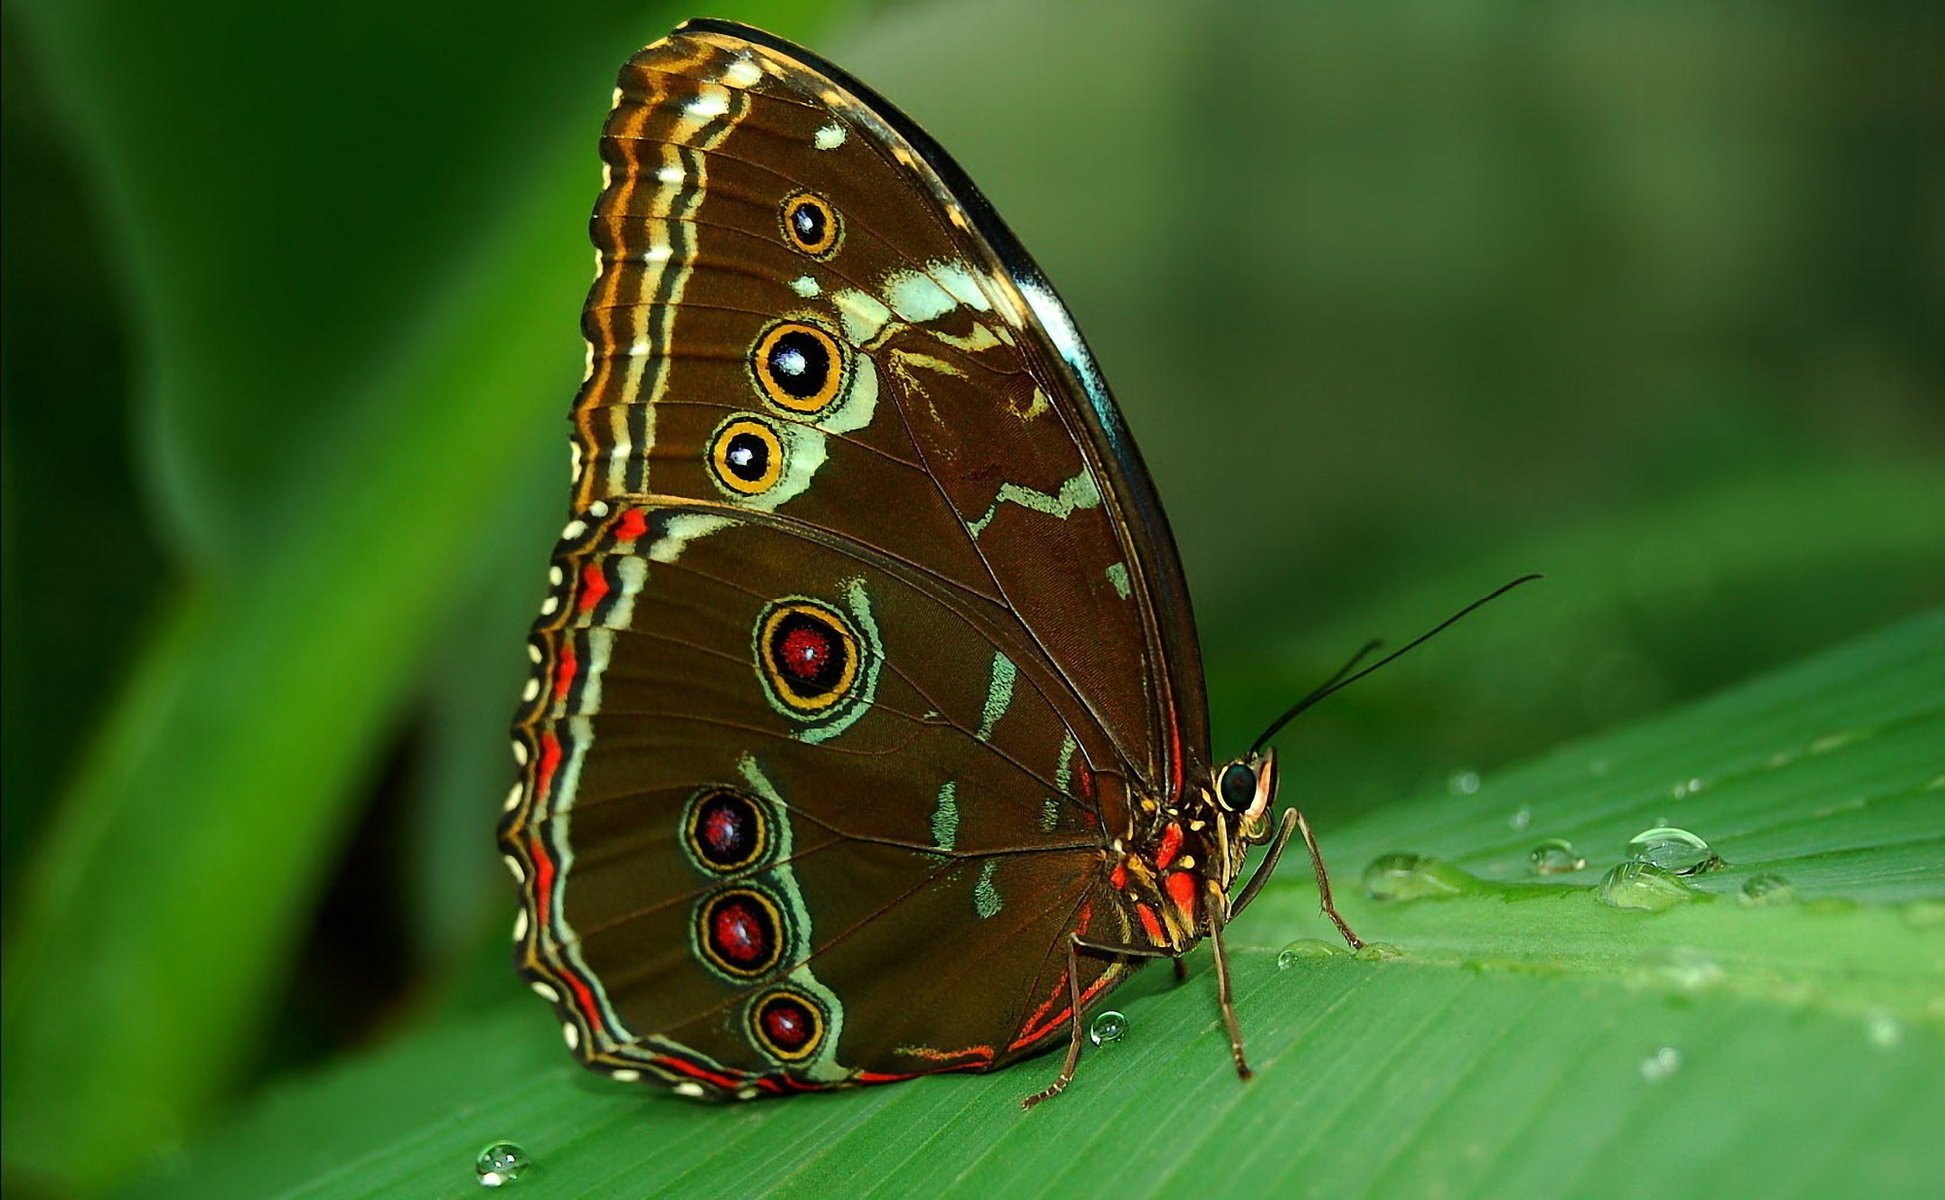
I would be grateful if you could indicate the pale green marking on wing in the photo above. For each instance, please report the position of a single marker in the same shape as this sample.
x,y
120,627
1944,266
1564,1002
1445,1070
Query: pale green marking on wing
x,y
1063,779
1078,492
986,897
999,694
1118,576
945,818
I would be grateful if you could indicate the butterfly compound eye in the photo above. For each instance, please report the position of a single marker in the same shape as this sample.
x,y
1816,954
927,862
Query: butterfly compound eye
x,y
1237,787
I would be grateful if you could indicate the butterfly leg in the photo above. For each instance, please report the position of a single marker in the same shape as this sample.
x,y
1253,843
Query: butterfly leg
x,y
1292,823
1075,944
1181,969
1224,990
1059,1085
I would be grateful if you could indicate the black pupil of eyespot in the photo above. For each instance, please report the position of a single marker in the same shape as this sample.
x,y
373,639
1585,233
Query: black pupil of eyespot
x,y
748,456
799,364
727,827
808,221
1238,786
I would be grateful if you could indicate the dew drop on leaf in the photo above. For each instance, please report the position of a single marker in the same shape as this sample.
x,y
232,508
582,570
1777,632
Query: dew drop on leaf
x,y
1661,1064
500,1163
1672,849
1555,856
1766,889
1304,948
1413,877
1642,887
1108,1026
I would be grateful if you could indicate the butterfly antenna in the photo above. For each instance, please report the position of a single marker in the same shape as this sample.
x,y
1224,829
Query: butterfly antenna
x,y
1345,675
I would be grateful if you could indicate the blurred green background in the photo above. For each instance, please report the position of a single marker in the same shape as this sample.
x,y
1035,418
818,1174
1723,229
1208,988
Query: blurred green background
x,y
1399,302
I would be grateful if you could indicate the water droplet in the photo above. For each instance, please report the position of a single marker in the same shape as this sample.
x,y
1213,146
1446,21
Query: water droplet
x,y
1304,948
1108,1026
1377,952
1768,888
1884,1030
1412,877
1555,856
1686,788
501,1163
1520,819
1463,783
1672,849
1641,887
1661,1064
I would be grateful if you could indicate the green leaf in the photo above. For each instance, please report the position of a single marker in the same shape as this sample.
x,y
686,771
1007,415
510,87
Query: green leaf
x,y
1530,1040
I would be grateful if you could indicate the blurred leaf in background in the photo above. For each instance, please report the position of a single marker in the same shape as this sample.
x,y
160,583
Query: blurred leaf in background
x,y
1648,300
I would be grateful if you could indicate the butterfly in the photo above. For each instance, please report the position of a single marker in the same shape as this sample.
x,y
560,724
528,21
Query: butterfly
x,y
866,734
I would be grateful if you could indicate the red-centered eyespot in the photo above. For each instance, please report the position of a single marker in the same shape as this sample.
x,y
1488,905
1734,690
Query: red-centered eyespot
x,y
721,831
726,831
739,934
787,1024
804,652
807,656
740,931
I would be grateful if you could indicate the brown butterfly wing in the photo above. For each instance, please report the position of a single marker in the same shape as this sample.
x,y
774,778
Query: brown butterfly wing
x,y
856,646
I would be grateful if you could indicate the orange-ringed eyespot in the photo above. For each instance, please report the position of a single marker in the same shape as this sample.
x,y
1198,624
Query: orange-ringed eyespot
x,y
747,456
787,1024
811,225
741,931
808,655
799,367
726,831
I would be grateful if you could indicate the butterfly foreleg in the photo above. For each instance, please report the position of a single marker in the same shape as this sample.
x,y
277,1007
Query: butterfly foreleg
x,y
1293,822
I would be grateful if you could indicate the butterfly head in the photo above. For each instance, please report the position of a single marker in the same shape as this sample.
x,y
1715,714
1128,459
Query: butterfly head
x,y
1245,789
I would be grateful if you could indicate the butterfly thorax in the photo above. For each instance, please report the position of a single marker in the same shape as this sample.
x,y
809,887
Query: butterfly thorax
x,y
1179,861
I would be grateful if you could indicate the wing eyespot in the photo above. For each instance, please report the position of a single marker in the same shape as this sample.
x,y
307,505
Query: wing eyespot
x,y
746,456
786,1024
807,655
726,832
811,225
799,367
740,931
